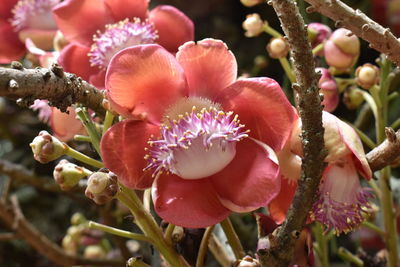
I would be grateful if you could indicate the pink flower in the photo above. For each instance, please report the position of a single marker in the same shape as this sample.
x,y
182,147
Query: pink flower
x,y
201,162
329,89
318,34
24,19
116,24
342,200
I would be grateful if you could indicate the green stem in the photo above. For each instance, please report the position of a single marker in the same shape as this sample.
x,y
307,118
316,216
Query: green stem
x,y
233,239
136,262
149,227
90,128
288,69
322,242
395,124
271,31
204,246
118,232
169,231
318,48
108,121
374,228
349,257
82,157
82,138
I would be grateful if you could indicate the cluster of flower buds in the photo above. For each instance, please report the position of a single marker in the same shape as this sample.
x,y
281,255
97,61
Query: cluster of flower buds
x,y
329,89
102,186
367,75
46,147
68,174
253,25
278,48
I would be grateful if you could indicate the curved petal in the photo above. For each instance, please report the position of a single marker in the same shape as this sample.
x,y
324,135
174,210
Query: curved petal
x,y
65,125
6,7
262,107
174,27
122,150
187,203
74,58
251,180
98,80
78,20
144,81
41,38
11,48
122,9
209,67
279,206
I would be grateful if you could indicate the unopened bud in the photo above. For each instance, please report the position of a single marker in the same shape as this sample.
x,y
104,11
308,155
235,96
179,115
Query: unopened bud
x,y
329,89
75,232
250,3
353,98
69,245
46,147
247,261
68,174
253,25
367,75
318,33
102,186
94,252
78,218
278,48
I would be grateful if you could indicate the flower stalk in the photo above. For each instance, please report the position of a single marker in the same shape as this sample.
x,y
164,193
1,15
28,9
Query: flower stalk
x,y
233,239
118,232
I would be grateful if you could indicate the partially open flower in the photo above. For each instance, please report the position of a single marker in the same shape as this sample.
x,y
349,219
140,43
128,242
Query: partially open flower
x,y
68,174
46,147
367,75
250,3
342,49
102,186
278,48
318,33
253,25
329,89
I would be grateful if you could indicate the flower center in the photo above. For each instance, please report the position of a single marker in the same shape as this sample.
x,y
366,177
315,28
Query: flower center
x,y
197,145
34,14
118,36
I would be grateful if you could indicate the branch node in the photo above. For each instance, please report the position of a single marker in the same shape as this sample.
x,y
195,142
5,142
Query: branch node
x,y
365,27
17,65
311,9
296,87
339,23
57,70
295,234
390,135
46,76
13,85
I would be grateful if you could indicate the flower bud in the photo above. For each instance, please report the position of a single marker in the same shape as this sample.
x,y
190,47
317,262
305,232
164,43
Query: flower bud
x,y
102,186
278,48
67,174
46,147
94,252
250,3
75,232
367,75
69,245
253,25
78,218
329,89
318,33
352,98
247,261
342,49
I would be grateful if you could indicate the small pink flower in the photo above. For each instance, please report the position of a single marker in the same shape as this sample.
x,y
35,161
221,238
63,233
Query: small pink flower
x,y
98,29
189,145
329,89
24,19
318,34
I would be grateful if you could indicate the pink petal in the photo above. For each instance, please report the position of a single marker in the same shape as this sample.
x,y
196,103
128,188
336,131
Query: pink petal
x,y
64,125
98,80
174,27
74,58
78,20
251,180
187,203
42,38
122,9
262,107
5,8
279,206
209,67
144,81
11,48
122,149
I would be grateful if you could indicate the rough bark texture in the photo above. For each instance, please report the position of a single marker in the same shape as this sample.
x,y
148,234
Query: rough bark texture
x,y
387,152
379,38
61,88
310,110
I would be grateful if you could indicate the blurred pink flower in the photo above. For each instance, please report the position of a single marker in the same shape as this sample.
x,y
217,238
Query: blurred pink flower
x,y
318,34
329,89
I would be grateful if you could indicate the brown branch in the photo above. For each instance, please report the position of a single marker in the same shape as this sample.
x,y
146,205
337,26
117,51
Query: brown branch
x,y
387,152
310,110
380,39
62,89
42,244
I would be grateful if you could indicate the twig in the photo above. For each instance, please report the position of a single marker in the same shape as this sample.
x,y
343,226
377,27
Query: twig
x,y
61,88
203,246
45,246
380,39
310,110
233,239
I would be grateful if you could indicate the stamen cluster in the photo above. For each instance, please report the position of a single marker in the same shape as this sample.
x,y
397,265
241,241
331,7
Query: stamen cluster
x,y
26,10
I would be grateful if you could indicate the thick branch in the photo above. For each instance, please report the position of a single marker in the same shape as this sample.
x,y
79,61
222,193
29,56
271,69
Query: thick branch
x,y
61,88
42,244
310,110
387,152
361,25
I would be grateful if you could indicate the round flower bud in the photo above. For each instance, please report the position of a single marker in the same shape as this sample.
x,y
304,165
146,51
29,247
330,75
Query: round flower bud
x,y
46,147
102,186
367,75
69,245
352,98
278,48
329,89
67,174
253,25
318,33
342,49
247,261
250,3
94,252
78,218
75,232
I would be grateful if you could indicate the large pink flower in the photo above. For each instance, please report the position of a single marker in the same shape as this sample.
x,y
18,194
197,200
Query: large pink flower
x,y
98,29
24,19
186,140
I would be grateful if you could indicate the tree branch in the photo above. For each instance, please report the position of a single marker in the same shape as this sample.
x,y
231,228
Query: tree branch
x,y
387,152
62,89
310,110
380,39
